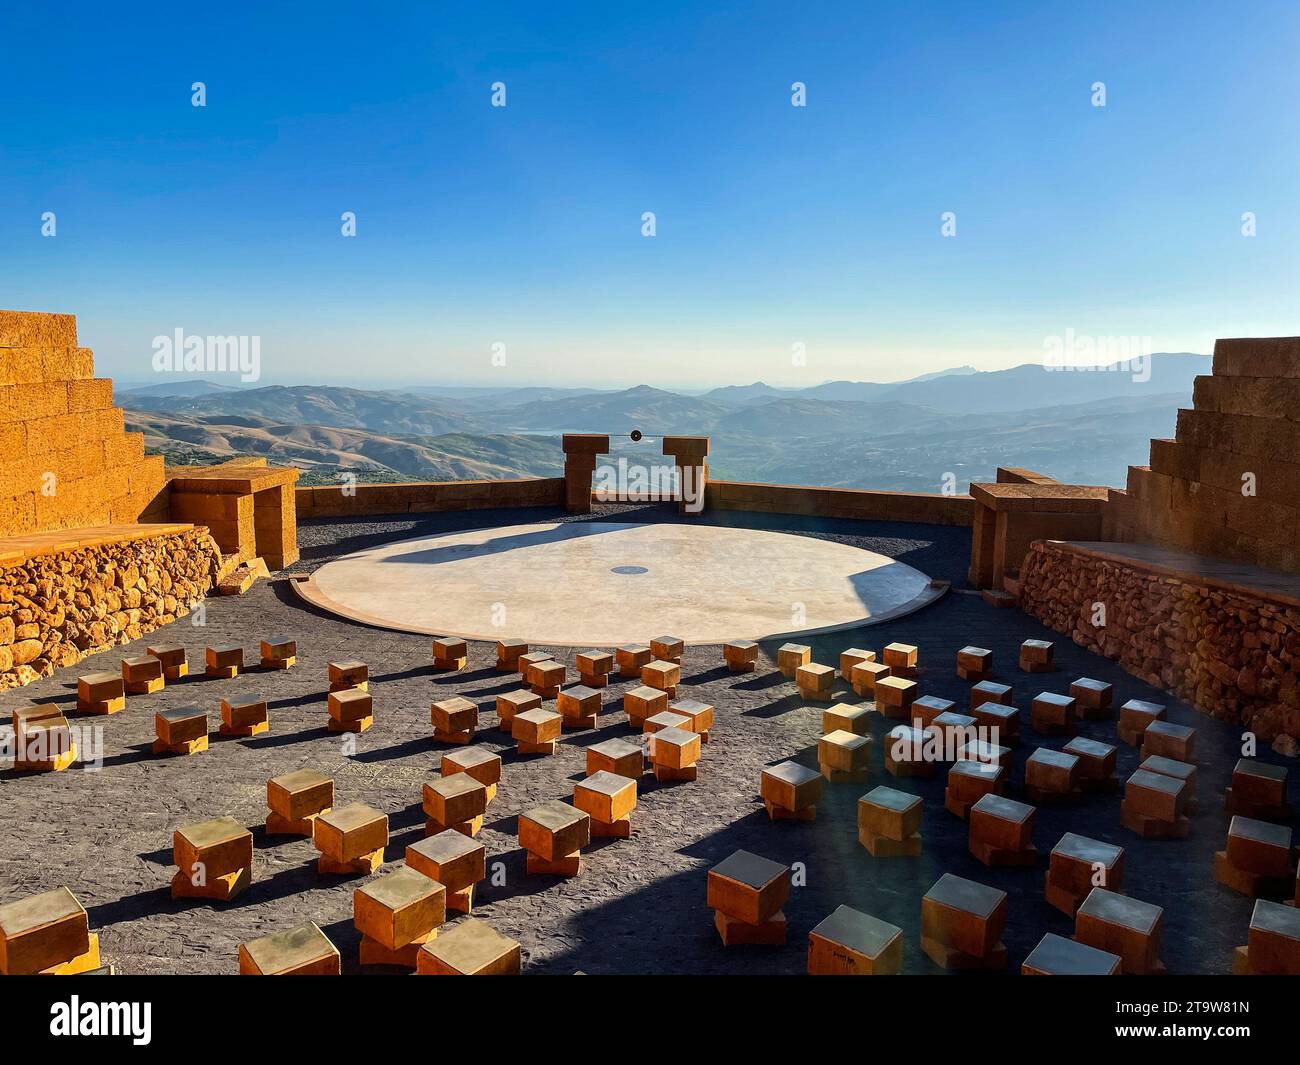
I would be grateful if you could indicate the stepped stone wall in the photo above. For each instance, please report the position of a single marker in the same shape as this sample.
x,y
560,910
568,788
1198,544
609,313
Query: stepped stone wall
x,y
65,458
1228,484
1231,650
63,600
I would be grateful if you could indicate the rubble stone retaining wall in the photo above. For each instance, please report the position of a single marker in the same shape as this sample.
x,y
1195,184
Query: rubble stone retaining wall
x,y
58,606
1231,653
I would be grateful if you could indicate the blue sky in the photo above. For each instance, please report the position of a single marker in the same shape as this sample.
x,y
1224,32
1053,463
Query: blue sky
x,y
776,225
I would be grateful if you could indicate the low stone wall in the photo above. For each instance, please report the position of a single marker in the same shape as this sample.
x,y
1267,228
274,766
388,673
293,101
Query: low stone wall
x,y
1230,652
60,604
927,508
426,497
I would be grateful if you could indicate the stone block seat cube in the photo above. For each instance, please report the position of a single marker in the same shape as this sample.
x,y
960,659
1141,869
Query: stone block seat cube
x,y
579,706
1121,925
1002,722
790,791
594,668
1168,740
1155,805
664,719
608,799
815,682
1258,790
642,702
631,657
895,696
851,657
852,943
974,663
545,678
864,676
927,708
1053,715
616,756
1096,763
278,652
978,750
213,859
1036,656
142,674
844,757
889,823
674,754
662,676
224,661
790,656
470,948
553,835
46,933
348,674
667,649
294,800
953,732
962,923
1134,718
182,730
907,752
1052,776
453,859
1257,860
1002,832
510,704
536,731
746,893
1273,946
454,719
988,691
457,801
698,714
1074,868
741,656
477,763
1171,767
350,710
175,661
970,781
244,715
1093,698
508,653
1057,956
449,654
100,693
396,914
900,658
300,951
350,839
841,717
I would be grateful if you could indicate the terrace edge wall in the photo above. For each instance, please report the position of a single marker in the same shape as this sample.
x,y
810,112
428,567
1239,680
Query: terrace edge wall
x,y
428,497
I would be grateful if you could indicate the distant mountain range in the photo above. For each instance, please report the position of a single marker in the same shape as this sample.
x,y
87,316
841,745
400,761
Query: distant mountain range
x,y
1081,426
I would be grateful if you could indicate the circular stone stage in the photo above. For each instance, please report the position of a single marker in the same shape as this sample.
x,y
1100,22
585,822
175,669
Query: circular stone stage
x,y
599,584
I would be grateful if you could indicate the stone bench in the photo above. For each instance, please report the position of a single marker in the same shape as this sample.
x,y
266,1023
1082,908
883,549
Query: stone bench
x,y
457,801
1074,867
397,914
553,835
790,792
608,799
889,823
852,943
213,859
746,893
294,800
1120,925
470,948
47,934
350,710
182,730
351,839
244,715
301,951
962,923
453,859
1002,832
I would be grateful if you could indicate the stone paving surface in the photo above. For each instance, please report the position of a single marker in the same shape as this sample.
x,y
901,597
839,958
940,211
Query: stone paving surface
x,y
639,905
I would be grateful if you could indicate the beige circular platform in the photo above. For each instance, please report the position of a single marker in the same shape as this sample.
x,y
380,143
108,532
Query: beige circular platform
x,y
598,584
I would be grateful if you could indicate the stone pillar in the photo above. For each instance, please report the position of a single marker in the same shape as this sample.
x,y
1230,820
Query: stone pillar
x,y
690,456
580,453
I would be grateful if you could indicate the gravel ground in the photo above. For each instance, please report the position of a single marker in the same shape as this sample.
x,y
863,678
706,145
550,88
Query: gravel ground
x,y
639,904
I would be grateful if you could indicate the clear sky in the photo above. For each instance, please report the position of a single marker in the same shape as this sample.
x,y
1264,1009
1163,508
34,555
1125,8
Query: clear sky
x,y
775,225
